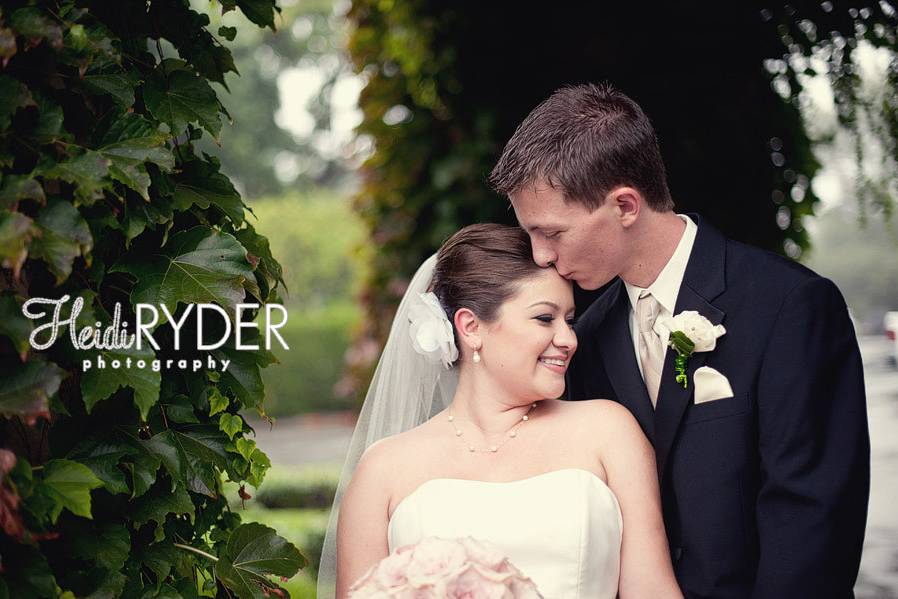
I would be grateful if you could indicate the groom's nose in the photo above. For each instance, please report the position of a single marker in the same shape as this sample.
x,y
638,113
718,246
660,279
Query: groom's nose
x,y
543,255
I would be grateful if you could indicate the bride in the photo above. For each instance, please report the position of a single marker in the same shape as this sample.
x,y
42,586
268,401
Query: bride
x,y
459,436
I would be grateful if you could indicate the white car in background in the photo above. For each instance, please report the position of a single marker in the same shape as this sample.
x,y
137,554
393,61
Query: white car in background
x,y
890,324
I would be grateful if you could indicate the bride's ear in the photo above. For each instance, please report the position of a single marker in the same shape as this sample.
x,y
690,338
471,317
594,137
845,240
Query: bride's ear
x,y
468,326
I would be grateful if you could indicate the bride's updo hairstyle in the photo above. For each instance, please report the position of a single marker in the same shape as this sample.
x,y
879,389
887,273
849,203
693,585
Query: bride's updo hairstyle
x,y
480,267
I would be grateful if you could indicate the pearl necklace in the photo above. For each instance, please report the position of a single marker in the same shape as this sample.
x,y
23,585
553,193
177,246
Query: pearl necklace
x,y
511,434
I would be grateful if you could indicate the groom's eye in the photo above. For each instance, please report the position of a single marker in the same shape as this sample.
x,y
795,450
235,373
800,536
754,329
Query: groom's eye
x,y
551,235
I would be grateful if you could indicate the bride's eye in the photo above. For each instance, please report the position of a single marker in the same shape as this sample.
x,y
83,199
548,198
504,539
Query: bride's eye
x,y
546,318
571,322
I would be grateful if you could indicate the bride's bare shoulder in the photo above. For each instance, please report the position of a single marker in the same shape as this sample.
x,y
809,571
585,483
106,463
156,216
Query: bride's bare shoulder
x,y
398,450
597,414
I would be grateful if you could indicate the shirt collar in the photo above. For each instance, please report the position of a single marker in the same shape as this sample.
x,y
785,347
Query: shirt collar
x,y
666,286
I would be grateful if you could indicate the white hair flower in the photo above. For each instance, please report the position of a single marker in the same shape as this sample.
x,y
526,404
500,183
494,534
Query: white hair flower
x,y
431,331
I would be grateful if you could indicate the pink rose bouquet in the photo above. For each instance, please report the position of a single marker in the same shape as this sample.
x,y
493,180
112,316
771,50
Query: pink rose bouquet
x,y
444,568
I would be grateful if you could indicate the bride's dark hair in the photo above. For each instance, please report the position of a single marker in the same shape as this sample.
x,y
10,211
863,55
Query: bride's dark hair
x,y
480,267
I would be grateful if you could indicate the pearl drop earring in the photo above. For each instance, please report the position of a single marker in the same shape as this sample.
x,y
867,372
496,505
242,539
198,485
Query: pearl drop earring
x,y
476,357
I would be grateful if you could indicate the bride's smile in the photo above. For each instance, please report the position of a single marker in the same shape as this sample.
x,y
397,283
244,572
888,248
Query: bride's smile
x,y
526,350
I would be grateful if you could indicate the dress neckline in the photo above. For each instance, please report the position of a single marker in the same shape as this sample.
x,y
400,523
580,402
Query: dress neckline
x,y
428,482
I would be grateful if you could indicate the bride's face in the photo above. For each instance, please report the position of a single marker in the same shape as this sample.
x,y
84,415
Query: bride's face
x,y
528,348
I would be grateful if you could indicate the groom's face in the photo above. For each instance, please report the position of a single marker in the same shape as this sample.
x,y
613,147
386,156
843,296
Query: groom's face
x,y
585,246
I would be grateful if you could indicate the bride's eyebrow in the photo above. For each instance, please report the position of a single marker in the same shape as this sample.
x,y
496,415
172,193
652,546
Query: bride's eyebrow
x,y
545,302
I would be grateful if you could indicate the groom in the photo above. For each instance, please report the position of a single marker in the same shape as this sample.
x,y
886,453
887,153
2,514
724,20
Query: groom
x,y
763,453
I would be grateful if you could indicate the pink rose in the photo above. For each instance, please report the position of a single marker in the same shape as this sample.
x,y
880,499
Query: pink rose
x,y
391,571
484,553
523,588
471,584
434,559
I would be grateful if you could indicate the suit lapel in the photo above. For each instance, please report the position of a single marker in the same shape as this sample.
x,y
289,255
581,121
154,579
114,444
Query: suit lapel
x,y
672,397
617,353
703,281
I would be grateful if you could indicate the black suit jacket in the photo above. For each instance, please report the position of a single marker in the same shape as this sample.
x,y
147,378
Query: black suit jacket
x,y
764,493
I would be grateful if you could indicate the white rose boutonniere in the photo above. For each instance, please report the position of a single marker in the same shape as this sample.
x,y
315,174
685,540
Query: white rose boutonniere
x,y
691,332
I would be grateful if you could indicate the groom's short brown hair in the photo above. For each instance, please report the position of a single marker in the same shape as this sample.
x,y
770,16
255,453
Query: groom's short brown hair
x,y
584,141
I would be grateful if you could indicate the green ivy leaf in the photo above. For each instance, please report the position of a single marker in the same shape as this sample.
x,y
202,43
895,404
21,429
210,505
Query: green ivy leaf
x,y
130,142
34,25
211,59
179,98
108,545
13,95
102,456
26,388
16,230
243,376
27,574
255,551
201,184
258,466
143,467
111,586
69,484
140,214
99,383
267,267
49,122
179,409
198,265
160,557
64,235
157,503
165,591
119,87
260,12
14,325
217,402
230,424
189,455
245,447
86,173
20,187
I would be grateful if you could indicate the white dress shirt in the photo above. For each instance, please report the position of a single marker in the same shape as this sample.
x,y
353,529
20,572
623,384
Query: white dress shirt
x,y
665,288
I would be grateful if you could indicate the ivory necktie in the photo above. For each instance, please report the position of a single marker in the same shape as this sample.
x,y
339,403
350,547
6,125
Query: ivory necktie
x,y
651,350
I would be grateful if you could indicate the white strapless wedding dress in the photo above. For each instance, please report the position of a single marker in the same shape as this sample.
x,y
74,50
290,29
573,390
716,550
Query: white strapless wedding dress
x,y
561,528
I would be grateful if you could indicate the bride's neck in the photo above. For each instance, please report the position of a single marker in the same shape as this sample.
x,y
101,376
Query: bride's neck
x,y
489,408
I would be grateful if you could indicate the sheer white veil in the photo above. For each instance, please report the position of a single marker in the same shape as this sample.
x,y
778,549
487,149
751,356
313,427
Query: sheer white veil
x,y
407,389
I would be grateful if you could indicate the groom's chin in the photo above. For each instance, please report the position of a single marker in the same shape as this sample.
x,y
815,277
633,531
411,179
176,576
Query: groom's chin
x,y
588,285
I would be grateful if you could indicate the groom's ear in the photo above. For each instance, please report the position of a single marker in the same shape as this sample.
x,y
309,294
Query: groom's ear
x,y
627,203
468,326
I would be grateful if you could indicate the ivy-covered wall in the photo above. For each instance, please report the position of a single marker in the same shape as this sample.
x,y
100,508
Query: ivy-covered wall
x,y
110,478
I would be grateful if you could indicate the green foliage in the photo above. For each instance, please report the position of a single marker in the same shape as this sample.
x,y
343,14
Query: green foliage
x,y
110,479
310,490
308,377
305,527
828,35
252,146
324,239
